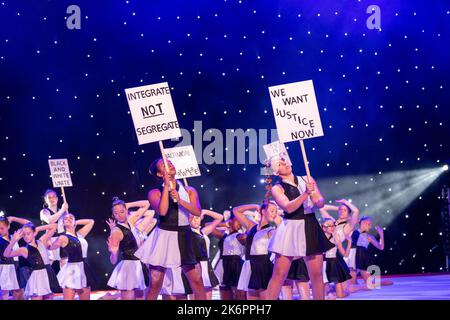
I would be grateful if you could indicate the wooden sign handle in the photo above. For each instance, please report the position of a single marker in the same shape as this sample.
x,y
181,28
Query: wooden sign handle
x,y
185,182
163,154
63,194
305,160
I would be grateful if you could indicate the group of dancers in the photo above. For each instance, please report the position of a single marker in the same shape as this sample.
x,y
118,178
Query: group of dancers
x,y
163,247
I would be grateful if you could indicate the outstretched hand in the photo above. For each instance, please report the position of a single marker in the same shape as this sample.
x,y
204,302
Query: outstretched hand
x,y
17,235
111,223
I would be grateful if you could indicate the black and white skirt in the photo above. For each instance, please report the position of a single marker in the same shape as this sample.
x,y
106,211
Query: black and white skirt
x,y
128,275
168,248
23,274
175,283
261,272
232,267
73,276
8,277
337,270
362,258
91,278
42,282
209,277
298,271
299,238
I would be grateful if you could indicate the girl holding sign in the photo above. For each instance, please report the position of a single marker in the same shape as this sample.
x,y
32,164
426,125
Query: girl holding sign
x,y
300,234
75,277
170,243
51,214
258,268
129,276
9,277
42,282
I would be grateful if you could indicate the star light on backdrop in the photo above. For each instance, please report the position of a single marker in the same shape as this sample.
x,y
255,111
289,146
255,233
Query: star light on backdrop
x,y
382,95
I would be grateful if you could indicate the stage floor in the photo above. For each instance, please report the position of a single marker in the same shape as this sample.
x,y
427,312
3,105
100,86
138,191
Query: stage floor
x,y
414,287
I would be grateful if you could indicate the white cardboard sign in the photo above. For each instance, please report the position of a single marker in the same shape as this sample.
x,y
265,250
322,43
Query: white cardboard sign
x,y
59,170
153,113
296,111
277,149
184,160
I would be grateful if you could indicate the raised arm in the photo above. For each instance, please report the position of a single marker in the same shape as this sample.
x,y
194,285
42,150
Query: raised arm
x,y
159,201
87,224
136,215
49,218
239,214
144,225
283,201
324,212
218,218
377,244
60,242
113,244
339,245
21,221
9,252
193,206
49,232
349,227
316,196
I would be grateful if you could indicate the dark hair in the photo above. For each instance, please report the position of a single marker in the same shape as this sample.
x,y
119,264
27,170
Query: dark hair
x,y
29,225
4,219
46,193
325,221
349,209
364,218
116,202
266,204
153,170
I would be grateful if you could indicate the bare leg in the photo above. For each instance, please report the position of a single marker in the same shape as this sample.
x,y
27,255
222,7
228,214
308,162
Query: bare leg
x,y
18,294
127,295
85,293
194,276
239,294
225,293
340,292
303,290
353,275
4,295
156,282
263,294
208,293
280,272
37,298
314,265
286,290
68,294
252,295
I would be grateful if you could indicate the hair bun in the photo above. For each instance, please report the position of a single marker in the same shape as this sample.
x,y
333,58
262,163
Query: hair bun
x,y
114,199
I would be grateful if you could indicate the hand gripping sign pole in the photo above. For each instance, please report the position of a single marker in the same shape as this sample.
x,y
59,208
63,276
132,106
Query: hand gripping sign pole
x,y
154,116
296,114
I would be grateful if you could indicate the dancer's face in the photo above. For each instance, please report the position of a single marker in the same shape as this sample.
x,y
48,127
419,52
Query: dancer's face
x,y
329,227
69,221
162,169
284,168
235,225
28,235
366,225
51,199
4,228
343,212
195,221
120,213
270,212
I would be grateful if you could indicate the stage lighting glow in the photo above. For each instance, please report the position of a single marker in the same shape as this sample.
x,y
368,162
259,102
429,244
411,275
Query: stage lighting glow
x,y
445,167
382,196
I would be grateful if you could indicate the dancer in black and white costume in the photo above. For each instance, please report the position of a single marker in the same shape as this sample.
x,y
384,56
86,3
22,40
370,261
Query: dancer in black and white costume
x,y
257,269
336,270
130,275
201,247
232,251
51,214
9,268
75,276
169,245
348,215
42,282
300,234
